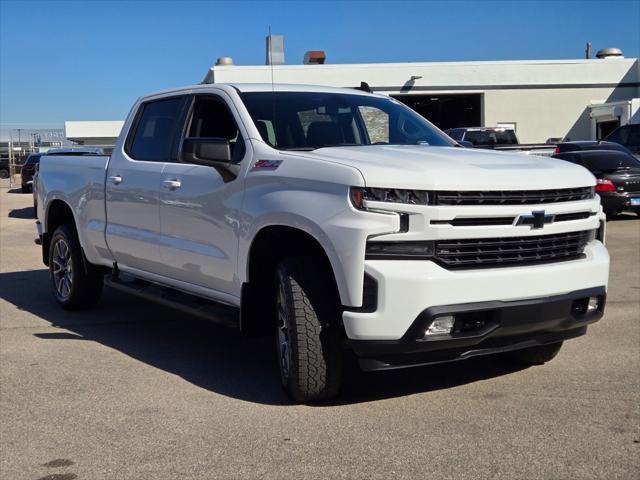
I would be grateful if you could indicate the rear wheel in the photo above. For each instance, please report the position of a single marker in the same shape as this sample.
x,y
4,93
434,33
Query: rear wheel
x,y
4,173
308,337
76,284
535,355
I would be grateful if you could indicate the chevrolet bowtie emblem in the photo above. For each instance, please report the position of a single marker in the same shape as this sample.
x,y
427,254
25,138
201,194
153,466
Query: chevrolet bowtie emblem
x,y
537,219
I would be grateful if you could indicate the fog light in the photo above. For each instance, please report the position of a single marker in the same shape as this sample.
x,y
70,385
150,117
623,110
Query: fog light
x,y
594,303
441,325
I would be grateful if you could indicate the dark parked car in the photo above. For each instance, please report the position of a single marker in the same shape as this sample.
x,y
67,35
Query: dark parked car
x,y
590,145
28,169
627,135
4,168
618,176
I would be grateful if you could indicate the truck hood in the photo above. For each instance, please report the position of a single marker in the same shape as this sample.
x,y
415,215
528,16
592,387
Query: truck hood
x,y
455,168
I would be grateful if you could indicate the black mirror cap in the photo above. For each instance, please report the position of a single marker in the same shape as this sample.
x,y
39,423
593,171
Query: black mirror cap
x,y
210,151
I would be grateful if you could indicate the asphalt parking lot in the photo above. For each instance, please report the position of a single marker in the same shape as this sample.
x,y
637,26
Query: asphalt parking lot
x,y
131,390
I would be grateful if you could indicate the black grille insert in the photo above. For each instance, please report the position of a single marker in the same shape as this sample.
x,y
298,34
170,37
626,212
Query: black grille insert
x,y
498,252
513,197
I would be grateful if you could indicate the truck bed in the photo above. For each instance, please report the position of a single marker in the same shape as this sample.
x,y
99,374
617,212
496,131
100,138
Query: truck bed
x,y
79,180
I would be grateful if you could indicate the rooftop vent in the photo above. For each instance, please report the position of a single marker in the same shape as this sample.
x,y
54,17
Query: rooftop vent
x,y
610,53
224,61
275,50
314,57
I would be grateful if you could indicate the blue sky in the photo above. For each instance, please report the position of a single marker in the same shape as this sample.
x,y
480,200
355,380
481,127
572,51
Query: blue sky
x,y
90,60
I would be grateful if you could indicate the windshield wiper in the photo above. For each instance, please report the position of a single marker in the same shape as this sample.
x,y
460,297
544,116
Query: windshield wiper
x,y
300,149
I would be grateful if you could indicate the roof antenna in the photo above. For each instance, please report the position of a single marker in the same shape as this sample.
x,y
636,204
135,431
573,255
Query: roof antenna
x,y
364,86
273,89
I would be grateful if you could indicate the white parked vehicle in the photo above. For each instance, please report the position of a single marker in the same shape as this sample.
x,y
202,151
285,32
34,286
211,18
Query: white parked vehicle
x,y
334,219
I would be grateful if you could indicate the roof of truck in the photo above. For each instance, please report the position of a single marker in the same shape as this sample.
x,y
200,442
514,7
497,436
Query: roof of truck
x,y
263,87
290,87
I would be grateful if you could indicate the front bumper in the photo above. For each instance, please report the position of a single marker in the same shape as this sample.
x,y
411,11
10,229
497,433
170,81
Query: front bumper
x,y
405,288
485,328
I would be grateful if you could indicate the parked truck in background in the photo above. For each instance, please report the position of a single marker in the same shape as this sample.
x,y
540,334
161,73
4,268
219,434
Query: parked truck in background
x,y
331,219
498,138
627,135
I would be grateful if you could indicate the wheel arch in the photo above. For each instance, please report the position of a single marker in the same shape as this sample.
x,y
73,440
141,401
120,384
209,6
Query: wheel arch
x,y
58,212
270,245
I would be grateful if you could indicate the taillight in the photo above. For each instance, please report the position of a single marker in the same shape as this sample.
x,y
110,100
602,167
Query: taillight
x,y
556,151
605,185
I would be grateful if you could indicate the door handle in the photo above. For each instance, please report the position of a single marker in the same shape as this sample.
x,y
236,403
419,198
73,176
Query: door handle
x,y
172,184
116,179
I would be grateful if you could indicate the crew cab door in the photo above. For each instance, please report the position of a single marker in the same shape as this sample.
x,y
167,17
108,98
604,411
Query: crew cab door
x,y
133,185
199,204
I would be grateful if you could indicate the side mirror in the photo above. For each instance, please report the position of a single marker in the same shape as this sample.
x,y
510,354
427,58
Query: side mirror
x,y
466,143
213,152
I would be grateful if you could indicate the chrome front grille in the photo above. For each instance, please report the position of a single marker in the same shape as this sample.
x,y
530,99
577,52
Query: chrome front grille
x,y
498,252
512,197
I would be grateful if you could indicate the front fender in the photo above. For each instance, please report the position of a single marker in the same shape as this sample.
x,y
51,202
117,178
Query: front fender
x,y
326,215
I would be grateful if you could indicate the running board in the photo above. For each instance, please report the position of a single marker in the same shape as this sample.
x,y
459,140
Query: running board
x,y
184,302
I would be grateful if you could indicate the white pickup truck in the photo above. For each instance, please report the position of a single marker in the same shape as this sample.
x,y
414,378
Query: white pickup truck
x,y
332,219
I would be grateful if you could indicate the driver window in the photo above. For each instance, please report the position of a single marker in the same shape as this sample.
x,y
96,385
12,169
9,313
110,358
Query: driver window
x,y
212,119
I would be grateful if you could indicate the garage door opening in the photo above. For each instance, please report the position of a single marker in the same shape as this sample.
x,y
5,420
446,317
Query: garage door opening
x,y
447,111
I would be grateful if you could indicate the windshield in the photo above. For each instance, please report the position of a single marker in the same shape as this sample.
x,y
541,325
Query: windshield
x,y
306,121
491,137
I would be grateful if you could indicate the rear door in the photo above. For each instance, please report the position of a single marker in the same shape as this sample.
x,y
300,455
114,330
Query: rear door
x,y
199,205
133,184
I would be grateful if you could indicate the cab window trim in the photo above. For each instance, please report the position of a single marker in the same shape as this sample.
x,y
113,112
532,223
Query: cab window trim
x,y
187,121
136,124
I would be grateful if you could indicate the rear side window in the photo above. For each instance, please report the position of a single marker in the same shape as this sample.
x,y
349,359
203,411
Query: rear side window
x,y
156,129
491,137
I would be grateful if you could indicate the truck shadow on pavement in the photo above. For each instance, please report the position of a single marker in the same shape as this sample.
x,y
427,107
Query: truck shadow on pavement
x,y
213,357
24,213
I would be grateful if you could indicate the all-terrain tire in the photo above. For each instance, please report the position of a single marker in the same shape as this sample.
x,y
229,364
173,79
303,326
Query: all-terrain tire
x,y
535,355
308,310
76,284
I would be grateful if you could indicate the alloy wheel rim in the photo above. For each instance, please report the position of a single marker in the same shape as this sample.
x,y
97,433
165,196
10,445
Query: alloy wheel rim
x,y
284,352
62,269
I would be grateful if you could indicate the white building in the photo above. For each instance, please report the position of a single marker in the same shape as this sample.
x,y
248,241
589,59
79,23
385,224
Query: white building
x,y
94,133
542,99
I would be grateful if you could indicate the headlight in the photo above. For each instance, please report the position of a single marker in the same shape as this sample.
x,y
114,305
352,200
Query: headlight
x,y
359,195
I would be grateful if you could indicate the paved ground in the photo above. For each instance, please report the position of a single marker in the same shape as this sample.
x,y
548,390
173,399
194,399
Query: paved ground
x,y
131,390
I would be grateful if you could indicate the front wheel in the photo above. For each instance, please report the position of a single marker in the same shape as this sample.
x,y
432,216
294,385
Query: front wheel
x,y
535,355
308,337
75,284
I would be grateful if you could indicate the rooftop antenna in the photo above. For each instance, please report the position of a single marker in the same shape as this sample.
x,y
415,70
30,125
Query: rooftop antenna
x,y
273,89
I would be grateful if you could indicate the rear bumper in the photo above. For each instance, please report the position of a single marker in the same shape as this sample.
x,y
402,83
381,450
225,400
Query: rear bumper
x,y
485,328
618,201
